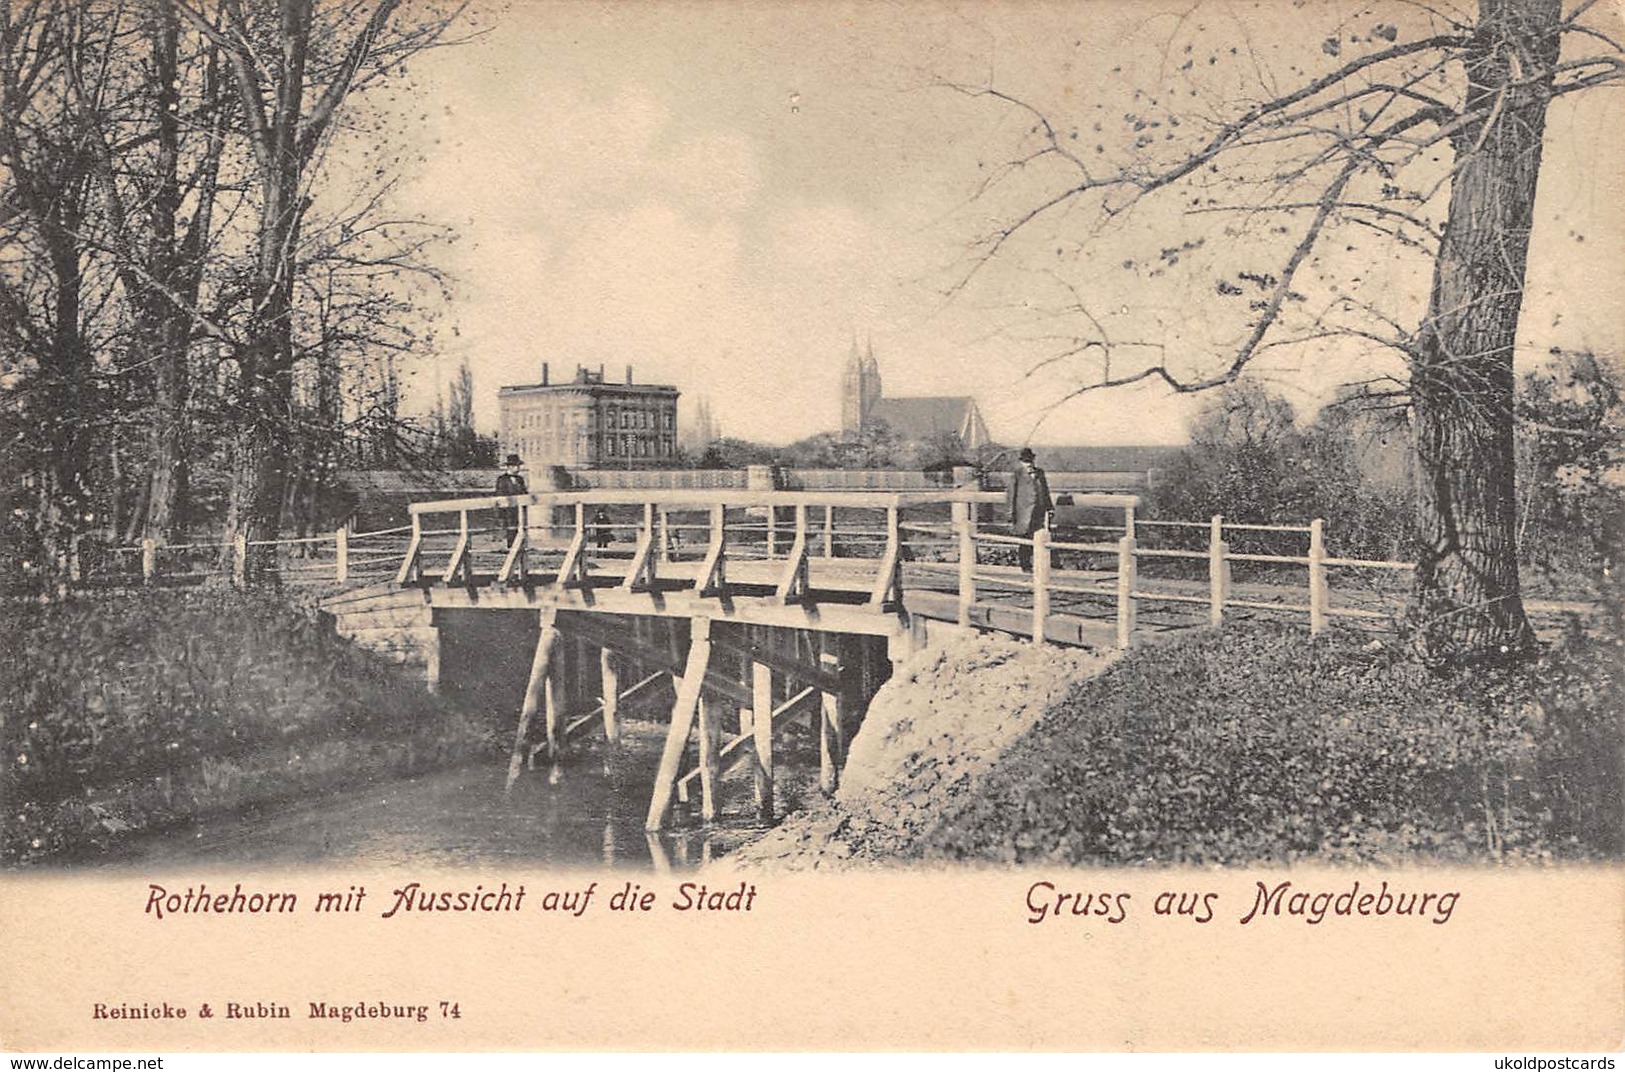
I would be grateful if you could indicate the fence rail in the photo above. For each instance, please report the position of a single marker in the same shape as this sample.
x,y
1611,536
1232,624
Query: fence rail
x,y
325,557
935,535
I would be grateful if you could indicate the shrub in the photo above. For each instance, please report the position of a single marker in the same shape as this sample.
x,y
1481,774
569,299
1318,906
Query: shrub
x,y
184,691
1265,744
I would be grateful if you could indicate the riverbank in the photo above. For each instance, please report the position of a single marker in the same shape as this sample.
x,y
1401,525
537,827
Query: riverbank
x,y
931,736
1254,744
131,713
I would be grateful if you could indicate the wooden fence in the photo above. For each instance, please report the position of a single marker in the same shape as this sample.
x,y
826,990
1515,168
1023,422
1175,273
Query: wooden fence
x,y
939,538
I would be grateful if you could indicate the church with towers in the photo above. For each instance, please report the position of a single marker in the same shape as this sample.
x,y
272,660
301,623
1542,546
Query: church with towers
x,y
911,419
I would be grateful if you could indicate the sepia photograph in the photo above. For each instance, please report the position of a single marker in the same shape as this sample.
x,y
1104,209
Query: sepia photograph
x,y
931,516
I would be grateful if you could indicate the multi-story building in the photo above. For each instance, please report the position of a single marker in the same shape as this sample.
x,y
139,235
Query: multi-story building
x,y
586,423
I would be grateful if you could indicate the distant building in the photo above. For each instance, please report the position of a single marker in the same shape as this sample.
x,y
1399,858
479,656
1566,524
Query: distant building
x,y
586,423
703,431
915,419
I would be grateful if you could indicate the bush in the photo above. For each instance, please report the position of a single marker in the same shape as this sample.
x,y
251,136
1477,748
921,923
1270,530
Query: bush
x,y
1266,745
186,691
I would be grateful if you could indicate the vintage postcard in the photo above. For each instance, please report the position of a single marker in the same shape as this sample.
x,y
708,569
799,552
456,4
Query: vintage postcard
x,y
575,526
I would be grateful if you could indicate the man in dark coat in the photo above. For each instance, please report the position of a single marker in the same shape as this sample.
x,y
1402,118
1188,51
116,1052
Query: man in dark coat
x,y
1030,505
510,482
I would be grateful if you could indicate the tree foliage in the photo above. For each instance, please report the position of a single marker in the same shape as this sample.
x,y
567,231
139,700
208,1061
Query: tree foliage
x,y
197,291
1250,461
1571,465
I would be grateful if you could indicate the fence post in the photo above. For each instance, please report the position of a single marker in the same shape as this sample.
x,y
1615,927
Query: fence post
x,y
1217,575
1128,519
1125,591
965,524
239,559
1317,576
341,551
1040,583
665,536
829,532
149,559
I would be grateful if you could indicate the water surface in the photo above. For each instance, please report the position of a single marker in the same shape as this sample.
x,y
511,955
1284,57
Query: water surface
x,y
584,812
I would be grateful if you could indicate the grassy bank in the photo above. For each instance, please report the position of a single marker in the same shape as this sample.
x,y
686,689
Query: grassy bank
x,y
1264,745
130,713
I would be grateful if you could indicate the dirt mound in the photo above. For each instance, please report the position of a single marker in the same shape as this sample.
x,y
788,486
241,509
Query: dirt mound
x,y
930,735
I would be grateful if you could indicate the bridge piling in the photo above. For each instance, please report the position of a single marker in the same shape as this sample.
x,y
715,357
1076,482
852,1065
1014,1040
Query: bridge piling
x,y
610,677
536,690
762,734
831,717
682,722
710,757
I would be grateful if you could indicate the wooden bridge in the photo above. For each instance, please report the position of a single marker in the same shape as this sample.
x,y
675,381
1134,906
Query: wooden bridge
x,y
757,610
763,608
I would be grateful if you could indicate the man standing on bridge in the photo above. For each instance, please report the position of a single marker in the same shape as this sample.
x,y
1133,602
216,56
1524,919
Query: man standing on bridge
x,y
1030,505
510,482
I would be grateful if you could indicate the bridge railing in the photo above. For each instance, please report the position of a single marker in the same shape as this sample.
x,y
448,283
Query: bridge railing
x,y
1145,568
569,534
1098,560
341,557
1116,567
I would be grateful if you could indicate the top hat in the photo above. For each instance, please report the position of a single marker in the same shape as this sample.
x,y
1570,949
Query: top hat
x,y
1026,454
513,459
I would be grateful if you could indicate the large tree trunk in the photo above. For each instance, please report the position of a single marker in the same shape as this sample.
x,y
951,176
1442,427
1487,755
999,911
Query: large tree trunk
x,y
260,465
65,494
164,326
1467,593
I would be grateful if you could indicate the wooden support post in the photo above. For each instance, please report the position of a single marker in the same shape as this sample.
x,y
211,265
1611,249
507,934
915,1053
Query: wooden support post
x,y
149,559
1041,563
1128,519
640,575
1125,591
710,757
1317,576
682,724
965,525
411,569
795,586
888,589
239,560
762,731
535,693
513,563
551,705
829,532
461,565
830,742
713,578
665,536
610,689
341,555
1217,575
772,531
574,570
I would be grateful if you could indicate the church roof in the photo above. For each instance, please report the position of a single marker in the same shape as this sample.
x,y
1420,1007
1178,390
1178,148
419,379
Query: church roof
x,y
923,417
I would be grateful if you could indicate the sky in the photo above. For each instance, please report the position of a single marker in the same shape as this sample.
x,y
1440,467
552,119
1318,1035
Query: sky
x,y
726,196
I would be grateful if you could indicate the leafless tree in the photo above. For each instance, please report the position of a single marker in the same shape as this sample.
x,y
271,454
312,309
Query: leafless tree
x,y
1418,133
293,66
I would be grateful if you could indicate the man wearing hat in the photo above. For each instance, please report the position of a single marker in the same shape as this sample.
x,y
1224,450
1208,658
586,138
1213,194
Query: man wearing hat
x,y
510,482
1030,505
